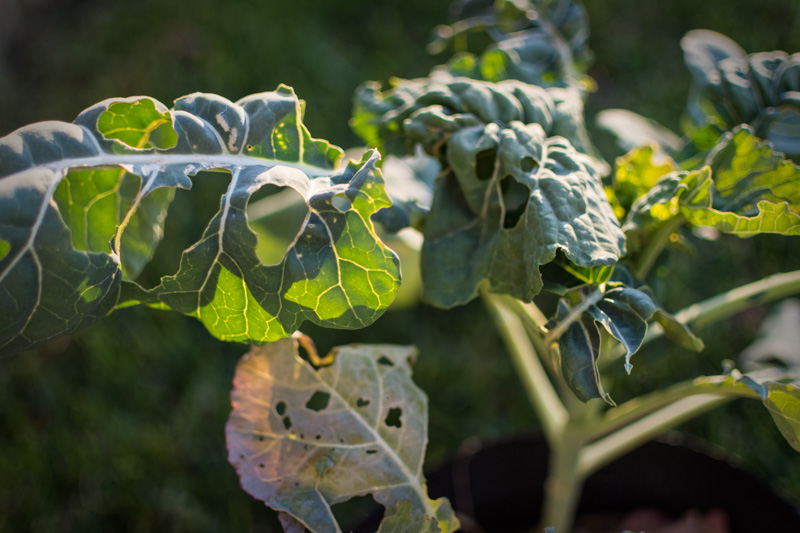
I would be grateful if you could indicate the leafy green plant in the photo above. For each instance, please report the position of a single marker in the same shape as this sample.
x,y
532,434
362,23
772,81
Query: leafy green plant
x,y
521,213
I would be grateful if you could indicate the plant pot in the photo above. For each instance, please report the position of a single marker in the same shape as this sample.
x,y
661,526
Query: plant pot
x,y
499,488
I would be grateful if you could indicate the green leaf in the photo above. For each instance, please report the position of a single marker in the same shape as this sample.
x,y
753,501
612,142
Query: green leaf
x,y
746,188
636,173
428,111
622,311
579,349
538,42
632,131
514,189
138,122
81,212
731,88
303,439
512,200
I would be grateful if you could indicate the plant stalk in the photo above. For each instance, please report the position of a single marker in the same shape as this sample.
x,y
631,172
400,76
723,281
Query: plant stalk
x,y
631,436
727,304
543,397
564,483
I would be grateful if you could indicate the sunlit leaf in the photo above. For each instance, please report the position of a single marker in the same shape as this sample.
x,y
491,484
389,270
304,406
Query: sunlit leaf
x,y
303,439
746,188
82,207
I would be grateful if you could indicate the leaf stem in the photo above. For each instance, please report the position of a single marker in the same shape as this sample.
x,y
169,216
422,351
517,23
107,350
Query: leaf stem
x,y
575,313
543,397
656,245
728,303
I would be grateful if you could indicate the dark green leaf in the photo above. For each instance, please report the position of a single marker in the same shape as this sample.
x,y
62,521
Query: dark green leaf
x,y
579,350
500,218
370,436
732,88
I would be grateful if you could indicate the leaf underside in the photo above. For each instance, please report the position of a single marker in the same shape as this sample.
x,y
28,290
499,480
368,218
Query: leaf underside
x,y
304,439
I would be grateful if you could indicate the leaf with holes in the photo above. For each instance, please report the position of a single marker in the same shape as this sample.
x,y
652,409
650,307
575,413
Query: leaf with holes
x,y
511,200
82,207
304,439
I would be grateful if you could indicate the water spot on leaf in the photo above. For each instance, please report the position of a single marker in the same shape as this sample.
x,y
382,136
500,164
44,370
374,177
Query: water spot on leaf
x,y
484,163
393,417
361,402
318,401
385,361
280,408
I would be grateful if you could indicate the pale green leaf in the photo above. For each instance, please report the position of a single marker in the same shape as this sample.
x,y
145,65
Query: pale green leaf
x,y
82,207
303,439
632,131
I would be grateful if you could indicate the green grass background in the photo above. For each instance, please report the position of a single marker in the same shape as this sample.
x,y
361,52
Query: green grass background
x,y
120,428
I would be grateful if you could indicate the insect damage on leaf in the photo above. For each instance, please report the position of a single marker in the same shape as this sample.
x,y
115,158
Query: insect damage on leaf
x,y
83,205
303,439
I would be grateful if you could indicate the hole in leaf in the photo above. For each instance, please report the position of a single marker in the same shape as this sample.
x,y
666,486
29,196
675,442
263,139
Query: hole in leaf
x,y
198,206
261,438
341,202
484,163
359,510
361,402
528,164
318,437
371,452
287,422
393,417
318,401
385,361
276,215
515,200
280,408
261,465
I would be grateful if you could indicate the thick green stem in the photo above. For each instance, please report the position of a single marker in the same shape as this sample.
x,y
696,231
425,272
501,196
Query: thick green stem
x,y
543,397
564,484
633,435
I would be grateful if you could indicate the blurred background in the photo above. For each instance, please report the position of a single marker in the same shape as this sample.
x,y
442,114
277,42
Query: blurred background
x,y
121,427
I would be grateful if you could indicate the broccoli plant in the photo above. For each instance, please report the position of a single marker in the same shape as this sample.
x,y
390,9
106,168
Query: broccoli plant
x,y
522,211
